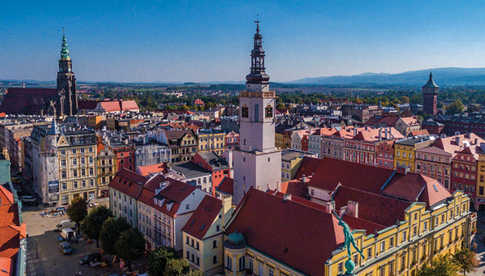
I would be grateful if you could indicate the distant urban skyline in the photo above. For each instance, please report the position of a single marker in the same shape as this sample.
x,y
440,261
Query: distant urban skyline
x,y
201,41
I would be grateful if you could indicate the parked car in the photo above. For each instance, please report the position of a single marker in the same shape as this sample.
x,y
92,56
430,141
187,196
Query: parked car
x,y
65,248
93,257
29,200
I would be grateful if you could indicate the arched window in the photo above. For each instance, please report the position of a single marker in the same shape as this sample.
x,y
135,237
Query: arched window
x,y
268,111
244,112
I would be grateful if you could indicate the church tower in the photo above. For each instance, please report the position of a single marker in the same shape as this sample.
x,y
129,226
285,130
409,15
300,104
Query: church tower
x,y
257,162
66,83
430,96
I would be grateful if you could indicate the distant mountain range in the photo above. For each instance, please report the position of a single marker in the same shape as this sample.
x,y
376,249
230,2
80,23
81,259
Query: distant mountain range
x,y
450,76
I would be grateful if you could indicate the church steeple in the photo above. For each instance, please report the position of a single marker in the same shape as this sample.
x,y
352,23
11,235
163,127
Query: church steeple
x,y
67,103
257,74
64,48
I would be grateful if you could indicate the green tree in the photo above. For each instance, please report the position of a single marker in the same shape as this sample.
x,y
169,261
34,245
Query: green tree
x,y
157,260
455,107
130,245
110,233
93,222
465,260
441,266
77,211
177,267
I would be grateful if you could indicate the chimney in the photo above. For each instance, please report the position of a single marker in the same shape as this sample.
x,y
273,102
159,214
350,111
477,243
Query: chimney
x,y
353,209
457,140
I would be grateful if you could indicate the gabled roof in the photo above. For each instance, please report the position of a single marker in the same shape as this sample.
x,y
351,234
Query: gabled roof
x,y
203,217
294,187
291,232
129,105
373,207
417,187
128,182
328,173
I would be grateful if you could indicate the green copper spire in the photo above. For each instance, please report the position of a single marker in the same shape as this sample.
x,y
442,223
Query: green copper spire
x,y
64,49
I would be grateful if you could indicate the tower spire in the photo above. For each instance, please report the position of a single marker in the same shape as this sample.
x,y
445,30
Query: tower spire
x,y
64,47
257,74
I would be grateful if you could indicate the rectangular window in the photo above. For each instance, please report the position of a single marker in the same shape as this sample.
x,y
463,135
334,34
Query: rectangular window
x,y
229,263
404,238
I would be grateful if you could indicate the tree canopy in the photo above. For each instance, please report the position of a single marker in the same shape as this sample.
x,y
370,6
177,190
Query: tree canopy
x,y
93,222
110,233
78,210
130,245
455,107
441,266
465,260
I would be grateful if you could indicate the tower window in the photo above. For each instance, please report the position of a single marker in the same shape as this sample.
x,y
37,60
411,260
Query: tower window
x,y
245,112
268,111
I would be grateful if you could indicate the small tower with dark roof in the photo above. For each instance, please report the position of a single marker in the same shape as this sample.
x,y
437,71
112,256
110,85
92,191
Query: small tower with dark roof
x,y
430,96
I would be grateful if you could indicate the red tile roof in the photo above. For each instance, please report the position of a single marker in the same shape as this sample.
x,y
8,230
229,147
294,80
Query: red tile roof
x,y
372,205
293,233
294,187
417,187
11,231
226,186
151,169
109,106
128,182
203,217
308,166
129,105
27,100
328,173
419,132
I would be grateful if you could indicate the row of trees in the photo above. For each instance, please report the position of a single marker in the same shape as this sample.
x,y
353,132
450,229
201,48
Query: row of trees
x,y
118,238
115,234
462,261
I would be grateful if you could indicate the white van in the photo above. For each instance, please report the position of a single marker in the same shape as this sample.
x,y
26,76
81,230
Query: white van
x,y
67,223
68,234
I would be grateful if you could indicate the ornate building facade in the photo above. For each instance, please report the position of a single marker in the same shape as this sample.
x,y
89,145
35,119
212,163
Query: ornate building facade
x,y
257,162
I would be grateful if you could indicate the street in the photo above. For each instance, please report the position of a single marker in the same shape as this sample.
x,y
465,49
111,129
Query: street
x,y
43,256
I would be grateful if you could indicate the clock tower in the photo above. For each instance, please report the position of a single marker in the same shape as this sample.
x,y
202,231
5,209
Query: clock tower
x,y
257,162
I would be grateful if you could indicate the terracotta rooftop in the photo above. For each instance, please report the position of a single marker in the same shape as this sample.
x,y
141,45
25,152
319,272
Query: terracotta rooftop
x,y
294,233
151,169
203,217
226,186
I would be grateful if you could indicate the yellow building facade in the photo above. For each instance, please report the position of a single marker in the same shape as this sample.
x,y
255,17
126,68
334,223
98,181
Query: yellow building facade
x,y
480,189
403,248
405,151
211,140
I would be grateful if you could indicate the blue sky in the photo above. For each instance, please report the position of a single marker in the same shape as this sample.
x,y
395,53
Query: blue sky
x,y
210,40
